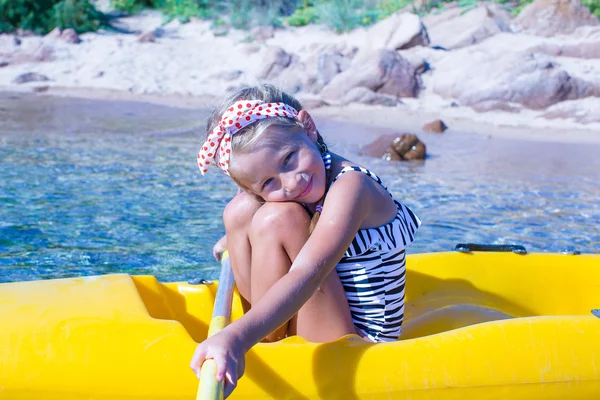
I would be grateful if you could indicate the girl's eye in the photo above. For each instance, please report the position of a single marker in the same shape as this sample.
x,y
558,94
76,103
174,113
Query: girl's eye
x,y
287,158
267,182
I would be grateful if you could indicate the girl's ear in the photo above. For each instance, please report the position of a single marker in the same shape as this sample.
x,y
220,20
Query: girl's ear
x,y
309,124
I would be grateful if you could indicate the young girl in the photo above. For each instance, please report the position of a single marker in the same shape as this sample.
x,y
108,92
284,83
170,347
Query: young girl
x,y
342,275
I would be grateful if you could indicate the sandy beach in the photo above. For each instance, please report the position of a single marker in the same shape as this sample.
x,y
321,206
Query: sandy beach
x,y
186,65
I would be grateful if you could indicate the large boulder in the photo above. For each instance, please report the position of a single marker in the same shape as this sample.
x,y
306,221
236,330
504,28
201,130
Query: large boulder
x,y
584,111
499,71
452,29
313,68
274,62
399,31
584,43
422,58
382,71
554,17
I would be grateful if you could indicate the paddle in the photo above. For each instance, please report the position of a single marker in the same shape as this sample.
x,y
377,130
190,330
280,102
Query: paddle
x,y
209,388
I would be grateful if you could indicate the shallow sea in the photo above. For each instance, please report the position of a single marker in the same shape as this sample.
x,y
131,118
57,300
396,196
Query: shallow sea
x,y
94,187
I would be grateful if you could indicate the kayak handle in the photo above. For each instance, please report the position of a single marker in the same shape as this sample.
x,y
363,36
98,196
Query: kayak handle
x,y
469,247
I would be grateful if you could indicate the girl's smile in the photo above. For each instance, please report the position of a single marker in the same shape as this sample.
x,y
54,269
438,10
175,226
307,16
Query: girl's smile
x,y
308,188
284,166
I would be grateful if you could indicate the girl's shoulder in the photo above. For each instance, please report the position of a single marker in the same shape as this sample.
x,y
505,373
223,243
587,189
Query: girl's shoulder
x,y
353,172
352,183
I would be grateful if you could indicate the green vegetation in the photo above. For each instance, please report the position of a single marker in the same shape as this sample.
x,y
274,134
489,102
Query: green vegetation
x,y
42,16
594,6
344,15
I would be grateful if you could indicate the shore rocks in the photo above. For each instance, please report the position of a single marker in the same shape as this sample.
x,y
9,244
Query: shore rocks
x,y
399,31
452,29
584,111
437,126
382,71
67,35
275,60
147,37
490,71
553,17
15,50
478,56
30,77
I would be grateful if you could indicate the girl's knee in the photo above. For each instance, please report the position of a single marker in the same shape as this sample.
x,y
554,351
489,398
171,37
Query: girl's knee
x,y
240,211
277,219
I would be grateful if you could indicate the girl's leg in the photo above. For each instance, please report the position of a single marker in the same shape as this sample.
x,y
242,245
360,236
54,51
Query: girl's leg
x,y
237,217
278,233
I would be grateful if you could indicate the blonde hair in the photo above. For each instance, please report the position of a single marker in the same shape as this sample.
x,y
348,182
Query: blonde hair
x,y
245,140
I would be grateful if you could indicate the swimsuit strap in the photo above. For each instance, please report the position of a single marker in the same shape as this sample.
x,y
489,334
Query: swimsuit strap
x,y
364,171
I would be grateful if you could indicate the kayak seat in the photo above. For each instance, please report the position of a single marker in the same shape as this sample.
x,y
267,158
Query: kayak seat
x,y
449,318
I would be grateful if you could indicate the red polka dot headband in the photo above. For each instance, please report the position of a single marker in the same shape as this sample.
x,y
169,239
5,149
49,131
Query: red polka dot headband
x,y
217,147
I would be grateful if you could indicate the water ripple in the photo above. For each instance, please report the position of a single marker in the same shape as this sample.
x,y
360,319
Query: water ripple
x,y
78,201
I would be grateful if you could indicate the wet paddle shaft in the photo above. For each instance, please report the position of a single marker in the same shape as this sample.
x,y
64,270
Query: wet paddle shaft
x,y
209,388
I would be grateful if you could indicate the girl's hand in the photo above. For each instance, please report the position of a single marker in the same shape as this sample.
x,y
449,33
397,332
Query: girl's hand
x,y
219,247
227,352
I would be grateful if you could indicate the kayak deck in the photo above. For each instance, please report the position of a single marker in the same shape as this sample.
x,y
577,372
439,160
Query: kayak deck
x,y
477,325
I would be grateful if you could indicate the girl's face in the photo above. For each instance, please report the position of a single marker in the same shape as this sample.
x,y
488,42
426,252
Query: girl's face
x,y
285,165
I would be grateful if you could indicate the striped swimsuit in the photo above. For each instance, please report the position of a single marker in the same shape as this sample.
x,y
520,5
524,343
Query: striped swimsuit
x,y
373,271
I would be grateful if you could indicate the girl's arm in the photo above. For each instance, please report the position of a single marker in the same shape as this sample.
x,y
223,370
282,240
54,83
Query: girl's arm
x,y
347,205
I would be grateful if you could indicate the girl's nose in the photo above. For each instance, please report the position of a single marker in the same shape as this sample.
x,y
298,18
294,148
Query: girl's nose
x,y
290,182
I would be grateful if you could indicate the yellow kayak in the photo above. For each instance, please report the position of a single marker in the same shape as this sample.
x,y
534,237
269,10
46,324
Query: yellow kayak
x,y
477,326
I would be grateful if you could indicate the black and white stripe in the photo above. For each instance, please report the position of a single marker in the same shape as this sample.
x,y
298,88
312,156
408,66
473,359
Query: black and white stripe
x,y
373,271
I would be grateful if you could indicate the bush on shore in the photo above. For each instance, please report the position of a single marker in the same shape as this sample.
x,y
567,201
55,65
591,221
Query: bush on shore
x,y
42,16
339,15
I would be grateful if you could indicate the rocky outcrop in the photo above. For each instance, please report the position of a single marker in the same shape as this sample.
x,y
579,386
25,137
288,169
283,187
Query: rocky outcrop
x,y
329,64
381,71
491,72
586,45
452,29
547,60
584,111
554,17
397,32
275,60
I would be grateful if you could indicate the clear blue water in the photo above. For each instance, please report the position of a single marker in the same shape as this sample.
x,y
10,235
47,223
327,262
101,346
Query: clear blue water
x,y
90,187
